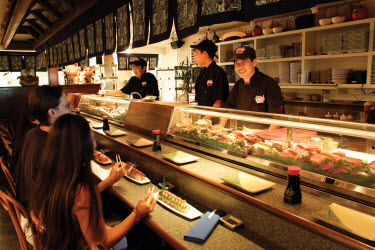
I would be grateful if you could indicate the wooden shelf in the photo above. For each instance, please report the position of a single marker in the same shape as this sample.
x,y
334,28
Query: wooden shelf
x,y
108,77
317,57
307,86
286,59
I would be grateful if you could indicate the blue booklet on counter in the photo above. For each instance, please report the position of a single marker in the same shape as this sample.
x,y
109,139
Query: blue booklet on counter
x,y
202,229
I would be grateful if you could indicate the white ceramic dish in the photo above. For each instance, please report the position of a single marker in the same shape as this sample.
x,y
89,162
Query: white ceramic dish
x,y
103,162
338,19
180,157
267,31
147,180
116,132
348,219
141,142
248,182
277,29
325,21
192,212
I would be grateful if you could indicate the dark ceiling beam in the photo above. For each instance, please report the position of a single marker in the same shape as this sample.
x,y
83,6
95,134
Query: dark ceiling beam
x,y
18,13
31,31
50,9
36,26
68,4
21,31
19,46
44,20
31,41
81,8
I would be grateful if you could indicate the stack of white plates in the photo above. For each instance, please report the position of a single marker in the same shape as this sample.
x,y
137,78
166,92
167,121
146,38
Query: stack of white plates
x,y
340,76
295,70
275,51
261,53
284,72
356,41
373,71
332,44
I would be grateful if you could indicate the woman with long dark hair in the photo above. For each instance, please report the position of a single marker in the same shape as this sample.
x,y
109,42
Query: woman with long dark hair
x,y
66,203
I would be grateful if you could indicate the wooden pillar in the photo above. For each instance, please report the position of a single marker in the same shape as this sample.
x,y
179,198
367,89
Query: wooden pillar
x,y
53,76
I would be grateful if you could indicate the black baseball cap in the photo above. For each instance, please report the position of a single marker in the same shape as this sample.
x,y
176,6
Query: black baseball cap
x,y
244,52
206,45
139,61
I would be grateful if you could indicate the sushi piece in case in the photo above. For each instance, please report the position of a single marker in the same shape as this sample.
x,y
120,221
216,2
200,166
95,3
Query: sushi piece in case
x,y
173,201
134,173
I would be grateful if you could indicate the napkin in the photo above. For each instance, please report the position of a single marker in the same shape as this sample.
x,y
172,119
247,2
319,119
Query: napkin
x,y
202,229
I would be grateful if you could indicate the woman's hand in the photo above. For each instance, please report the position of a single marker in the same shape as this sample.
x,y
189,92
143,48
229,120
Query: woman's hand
x,y
145,205
117,172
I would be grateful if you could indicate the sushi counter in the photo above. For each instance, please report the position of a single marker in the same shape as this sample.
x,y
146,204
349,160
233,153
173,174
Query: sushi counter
x,y
207,180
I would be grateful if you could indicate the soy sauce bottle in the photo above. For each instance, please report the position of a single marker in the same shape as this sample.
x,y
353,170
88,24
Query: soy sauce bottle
x,y
77,111
105,123
292,192
156,146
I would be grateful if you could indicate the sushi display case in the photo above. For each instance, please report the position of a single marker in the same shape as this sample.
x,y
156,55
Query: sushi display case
x,y
335,156
113,107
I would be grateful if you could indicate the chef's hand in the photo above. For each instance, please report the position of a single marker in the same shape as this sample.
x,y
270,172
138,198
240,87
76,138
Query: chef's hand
x,y
145,205
117,172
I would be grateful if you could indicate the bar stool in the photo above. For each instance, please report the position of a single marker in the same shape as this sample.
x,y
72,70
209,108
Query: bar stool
x,y
8,176
14,208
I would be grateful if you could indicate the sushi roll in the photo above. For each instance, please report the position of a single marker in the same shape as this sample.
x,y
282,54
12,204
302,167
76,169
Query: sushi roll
x,y
173,201
134,173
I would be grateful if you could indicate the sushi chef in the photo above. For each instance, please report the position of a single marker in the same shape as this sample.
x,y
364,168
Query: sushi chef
x,y
143,83
255,91
211,87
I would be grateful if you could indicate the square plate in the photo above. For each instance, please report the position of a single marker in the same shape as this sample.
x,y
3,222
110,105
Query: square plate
x,y
248,182
348,219
115,132
146,180
192,212
180,157
141,142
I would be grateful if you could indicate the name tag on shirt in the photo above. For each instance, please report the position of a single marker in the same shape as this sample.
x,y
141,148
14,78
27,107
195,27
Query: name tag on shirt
x,y
144,83
210,82
260,99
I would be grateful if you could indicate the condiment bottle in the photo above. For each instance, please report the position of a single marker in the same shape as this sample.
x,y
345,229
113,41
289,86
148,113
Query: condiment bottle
x,y
78,111
292,192
156,146
105,123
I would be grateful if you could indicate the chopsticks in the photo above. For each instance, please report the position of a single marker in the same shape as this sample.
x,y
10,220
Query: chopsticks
x,y
118,159
152,193
212,214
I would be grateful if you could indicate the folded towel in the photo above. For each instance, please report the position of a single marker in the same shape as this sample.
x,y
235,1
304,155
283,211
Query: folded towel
x,y
202,229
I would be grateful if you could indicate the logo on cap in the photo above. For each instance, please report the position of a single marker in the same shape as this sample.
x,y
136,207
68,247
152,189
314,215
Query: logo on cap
x,y
240,50
209,82
144,83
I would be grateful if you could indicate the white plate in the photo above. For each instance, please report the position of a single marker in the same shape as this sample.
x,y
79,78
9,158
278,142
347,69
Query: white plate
x,y
180,157
248,182
348,219
141,142
192,212
147,180
103,162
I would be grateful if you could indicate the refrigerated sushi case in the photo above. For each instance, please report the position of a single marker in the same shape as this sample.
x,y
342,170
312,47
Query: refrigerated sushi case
x,y
335,156
98,106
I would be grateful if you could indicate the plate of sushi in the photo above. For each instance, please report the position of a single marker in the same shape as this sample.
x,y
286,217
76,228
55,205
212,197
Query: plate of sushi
x,y
176,204
135,175
101,158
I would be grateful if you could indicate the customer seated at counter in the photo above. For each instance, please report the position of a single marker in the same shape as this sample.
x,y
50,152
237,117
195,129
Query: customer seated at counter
x,y
255,91
143,83
65,204
46,104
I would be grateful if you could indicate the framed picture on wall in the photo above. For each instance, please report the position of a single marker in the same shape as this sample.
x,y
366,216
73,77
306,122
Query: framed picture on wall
x,y
152,63
122,63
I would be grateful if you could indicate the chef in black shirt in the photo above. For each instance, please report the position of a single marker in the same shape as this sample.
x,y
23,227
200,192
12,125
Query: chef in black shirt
x,y
142,82
211,87
255,91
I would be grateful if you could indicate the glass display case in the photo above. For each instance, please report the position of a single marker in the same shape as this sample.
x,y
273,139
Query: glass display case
x,y
334,155
113,107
